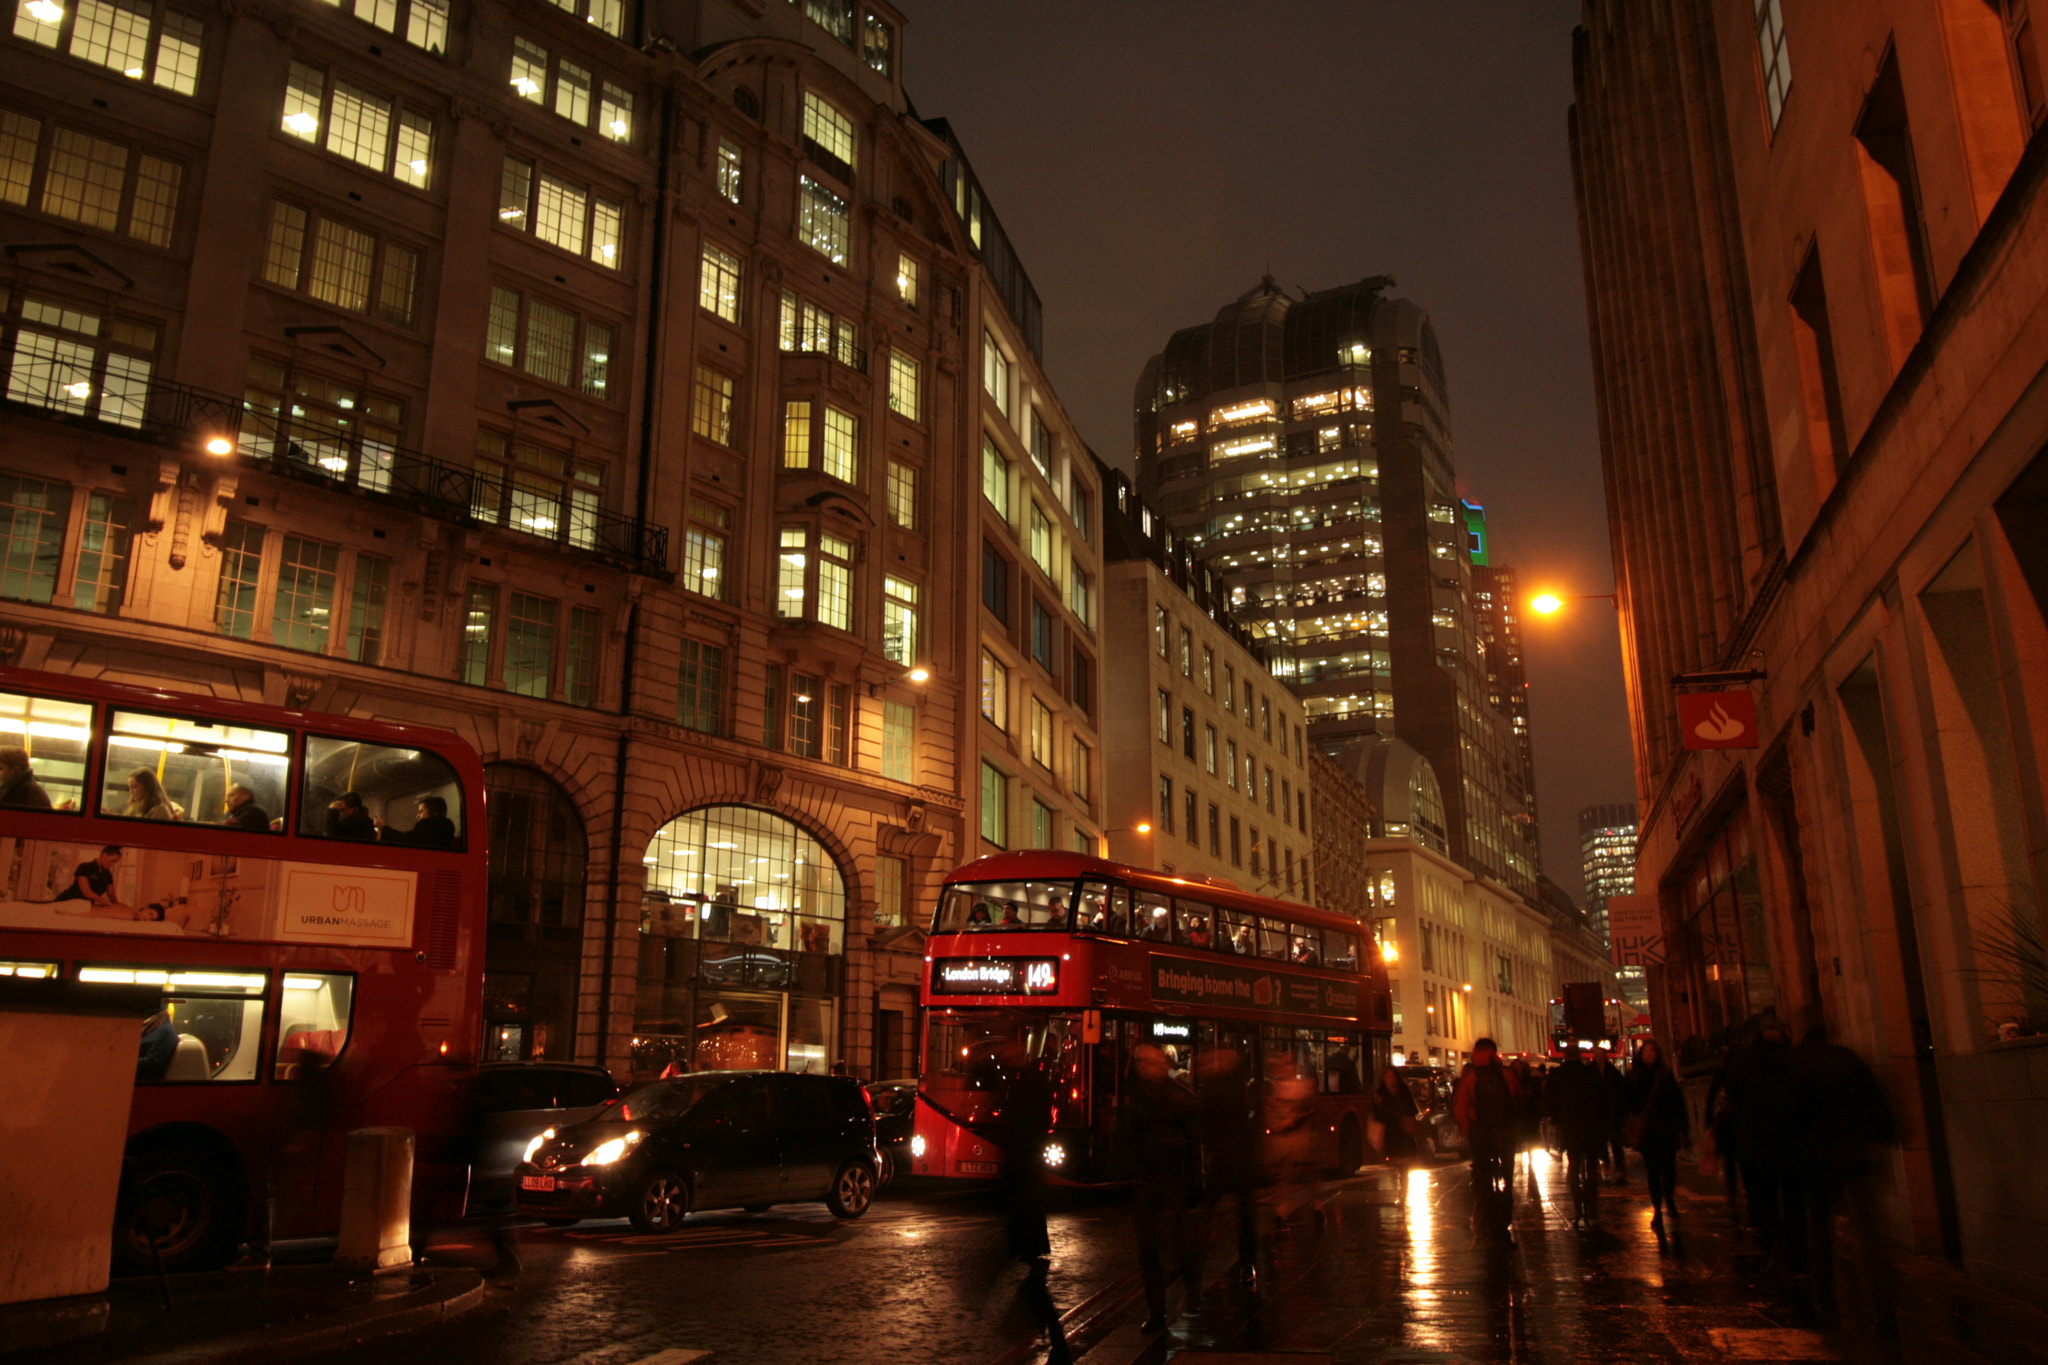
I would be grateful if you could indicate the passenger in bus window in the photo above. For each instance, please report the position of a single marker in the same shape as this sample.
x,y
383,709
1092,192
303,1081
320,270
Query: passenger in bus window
x,y
1305,952
18,785
1056,912
346,818
1010,920
978,921
1198,932
244,813
147,799
431,827
1242,945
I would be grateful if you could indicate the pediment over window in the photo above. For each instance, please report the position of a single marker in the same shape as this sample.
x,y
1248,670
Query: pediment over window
x,y
72,261
336,342
547,412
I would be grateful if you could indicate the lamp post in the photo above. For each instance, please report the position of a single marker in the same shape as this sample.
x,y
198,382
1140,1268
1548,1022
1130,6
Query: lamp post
x,y
1143,829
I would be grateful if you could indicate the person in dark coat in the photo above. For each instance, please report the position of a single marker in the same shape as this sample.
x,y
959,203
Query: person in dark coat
x,y
1754,1089
1400,1120
1658,1109
1488,1107
18,785
1228,1117
1025,1118
1156,1126
431,827
1836,1113
244,813
1617,1114
347,819
1575,1102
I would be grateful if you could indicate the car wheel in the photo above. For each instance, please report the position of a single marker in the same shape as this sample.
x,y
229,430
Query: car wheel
x,y
853,1189
1350,1149
183,1197
660,1201
888,1173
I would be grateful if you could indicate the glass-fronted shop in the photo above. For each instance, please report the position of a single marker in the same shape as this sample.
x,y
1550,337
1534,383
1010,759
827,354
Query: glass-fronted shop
x,y
742,941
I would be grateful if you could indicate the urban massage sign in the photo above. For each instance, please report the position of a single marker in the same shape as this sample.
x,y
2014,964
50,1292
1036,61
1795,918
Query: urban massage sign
x,y
1180,981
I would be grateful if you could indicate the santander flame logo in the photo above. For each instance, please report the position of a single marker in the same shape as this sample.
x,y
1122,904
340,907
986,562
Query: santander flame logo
x,y
1719,727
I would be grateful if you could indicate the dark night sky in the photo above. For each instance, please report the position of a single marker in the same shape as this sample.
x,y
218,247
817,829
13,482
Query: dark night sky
x,y
1151,159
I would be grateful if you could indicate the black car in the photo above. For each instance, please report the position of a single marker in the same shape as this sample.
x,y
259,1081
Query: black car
x,y
713,1140
895,1124
516,1102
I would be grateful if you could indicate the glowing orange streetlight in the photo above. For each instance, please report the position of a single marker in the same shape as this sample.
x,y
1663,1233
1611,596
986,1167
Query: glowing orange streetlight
x,y
1550,603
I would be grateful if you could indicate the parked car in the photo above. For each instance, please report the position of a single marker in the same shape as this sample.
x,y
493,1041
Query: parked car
x,y
895,1122
711,1140
1432,1087
516,1101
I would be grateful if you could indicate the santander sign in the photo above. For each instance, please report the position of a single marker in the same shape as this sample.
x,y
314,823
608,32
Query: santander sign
x,y
1718,720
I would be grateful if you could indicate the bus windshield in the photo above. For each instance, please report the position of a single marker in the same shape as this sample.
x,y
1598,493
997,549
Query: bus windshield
x,y
1005,907
975,1056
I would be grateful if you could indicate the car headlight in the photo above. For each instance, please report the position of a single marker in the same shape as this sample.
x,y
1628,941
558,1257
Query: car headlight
x,y
605,1153
917,1146
1055,1155
546,1135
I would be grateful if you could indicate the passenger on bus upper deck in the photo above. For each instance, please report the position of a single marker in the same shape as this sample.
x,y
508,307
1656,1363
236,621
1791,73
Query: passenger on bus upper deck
x,y
148,800
978,920
1303,952
18,785
1198,933
1010,920
431,827
244,813
346,818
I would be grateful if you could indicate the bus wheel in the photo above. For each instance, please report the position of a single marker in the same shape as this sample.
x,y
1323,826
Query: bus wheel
x,y
1350,1149
853,1189
181,1199
660,1201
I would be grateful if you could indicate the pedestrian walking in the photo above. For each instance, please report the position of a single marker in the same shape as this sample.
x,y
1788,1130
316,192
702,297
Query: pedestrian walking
x,y
1756,1084
1617,1115
1396,1119
1227,1109
1575,1100
1156,1125
1722,1140
1657,1127
1487,1105
1838,1113
1021,1125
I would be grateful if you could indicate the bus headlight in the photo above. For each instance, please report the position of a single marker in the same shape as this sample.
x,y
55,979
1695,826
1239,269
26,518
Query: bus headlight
x,y
546,1135
605,1153
1055,1155
917,1146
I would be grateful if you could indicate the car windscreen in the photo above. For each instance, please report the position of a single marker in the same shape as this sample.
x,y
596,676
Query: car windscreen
x,y
662,1100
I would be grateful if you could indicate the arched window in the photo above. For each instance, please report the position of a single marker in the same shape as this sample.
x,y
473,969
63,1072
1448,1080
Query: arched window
x,y
533,947
538,851
735,874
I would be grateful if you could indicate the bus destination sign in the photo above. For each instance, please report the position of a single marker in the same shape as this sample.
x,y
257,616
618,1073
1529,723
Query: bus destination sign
x,y
1180,980
996,976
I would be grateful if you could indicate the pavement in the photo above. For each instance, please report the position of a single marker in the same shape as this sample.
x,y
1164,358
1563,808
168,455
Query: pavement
x,y
1389,1275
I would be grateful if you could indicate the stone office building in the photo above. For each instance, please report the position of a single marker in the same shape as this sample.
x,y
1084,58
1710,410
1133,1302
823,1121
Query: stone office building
x,y
606,383
1815,261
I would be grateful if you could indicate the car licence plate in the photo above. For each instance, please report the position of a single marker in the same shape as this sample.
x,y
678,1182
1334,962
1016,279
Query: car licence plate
x,y
980,1168
543,1183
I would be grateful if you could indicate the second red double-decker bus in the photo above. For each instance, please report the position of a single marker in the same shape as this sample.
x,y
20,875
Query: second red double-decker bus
x,y
307,890
1077,961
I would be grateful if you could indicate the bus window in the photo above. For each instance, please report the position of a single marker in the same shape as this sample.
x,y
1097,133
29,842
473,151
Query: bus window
x,y
42,752
1340,949
312,1021
1237,932
972,1058
1194,924
1342,1061
176,768
1305,945
1151,917
1005,907
210,1026
355,790
38,970
1274,939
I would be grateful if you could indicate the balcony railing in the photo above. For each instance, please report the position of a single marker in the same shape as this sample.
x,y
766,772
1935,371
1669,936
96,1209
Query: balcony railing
x,y
190,419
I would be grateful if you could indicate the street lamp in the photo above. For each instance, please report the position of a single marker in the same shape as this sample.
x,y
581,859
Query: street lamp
x,y
1143,829
1550,603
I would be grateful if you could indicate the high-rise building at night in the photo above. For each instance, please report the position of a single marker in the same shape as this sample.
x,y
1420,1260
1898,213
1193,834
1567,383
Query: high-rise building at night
x,y
1303,447
1495,595
1607,857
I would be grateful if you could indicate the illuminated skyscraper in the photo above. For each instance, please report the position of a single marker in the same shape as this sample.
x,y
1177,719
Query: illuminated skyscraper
x,y
1607,853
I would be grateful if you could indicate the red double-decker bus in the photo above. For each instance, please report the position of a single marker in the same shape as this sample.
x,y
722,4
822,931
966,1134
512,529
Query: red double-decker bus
x,y
1077,961
308,890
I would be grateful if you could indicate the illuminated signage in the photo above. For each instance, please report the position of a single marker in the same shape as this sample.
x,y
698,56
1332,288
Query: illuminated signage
x,y
995,976
1185,981
1174,1032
